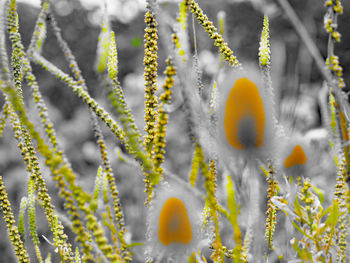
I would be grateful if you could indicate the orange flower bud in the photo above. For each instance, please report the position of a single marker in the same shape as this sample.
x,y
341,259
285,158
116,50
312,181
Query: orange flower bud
x,y
244,119
245,116
174,224
295,157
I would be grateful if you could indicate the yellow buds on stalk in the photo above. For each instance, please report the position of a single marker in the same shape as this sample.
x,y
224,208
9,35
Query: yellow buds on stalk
x,y
174,224
245,117
264,48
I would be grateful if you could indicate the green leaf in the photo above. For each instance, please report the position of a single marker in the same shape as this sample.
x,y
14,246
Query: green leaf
x,y
303,253
319,192
332,219
120,156
298,209
136,42
326,211
232,206
195,165
295,246
135,244
301,231
48,258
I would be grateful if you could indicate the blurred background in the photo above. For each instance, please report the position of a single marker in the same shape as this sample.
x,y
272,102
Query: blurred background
x,y
296,80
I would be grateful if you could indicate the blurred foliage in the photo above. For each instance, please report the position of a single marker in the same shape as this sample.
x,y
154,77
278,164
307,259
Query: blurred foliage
x,y
296,82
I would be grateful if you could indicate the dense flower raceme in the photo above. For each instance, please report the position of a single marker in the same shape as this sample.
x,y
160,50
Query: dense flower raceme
x,y
245,115
174,224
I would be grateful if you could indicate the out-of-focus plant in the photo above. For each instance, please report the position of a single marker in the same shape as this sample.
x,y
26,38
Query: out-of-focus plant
x,y
236,137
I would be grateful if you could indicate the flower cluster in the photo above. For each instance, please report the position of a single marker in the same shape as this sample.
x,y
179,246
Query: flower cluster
x,y
162,120
20,250
272,191
150,62
264,47
213,34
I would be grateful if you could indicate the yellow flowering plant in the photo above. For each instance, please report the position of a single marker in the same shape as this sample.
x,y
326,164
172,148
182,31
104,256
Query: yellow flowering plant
x,y
212,176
